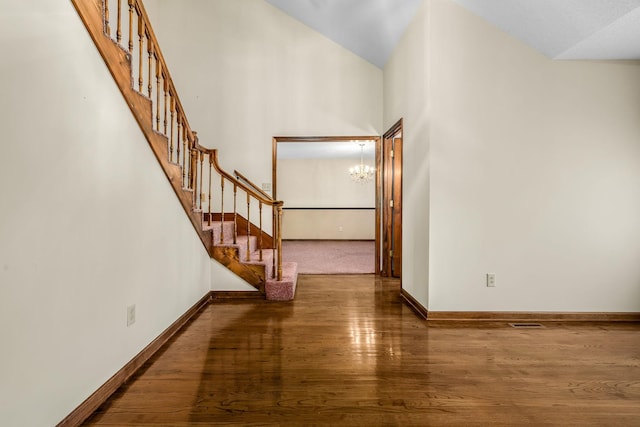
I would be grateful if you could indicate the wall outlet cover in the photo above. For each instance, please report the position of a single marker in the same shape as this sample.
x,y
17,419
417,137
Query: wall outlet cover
x,y
131,315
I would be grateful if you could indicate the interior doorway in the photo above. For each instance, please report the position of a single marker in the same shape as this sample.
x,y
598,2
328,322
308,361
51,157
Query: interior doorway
x,y
390,177
324,202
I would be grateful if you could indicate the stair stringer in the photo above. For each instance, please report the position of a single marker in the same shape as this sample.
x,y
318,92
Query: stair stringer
x,y
230,258
118,63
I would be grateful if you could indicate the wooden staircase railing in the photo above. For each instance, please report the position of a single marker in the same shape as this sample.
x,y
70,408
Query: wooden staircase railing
x,y
243,178
124,37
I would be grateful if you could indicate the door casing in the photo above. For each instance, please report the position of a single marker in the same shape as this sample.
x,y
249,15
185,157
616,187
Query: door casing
x,y
389,254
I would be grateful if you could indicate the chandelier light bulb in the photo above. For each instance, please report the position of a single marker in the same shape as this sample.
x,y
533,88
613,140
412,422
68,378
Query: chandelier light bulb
x,y
362,173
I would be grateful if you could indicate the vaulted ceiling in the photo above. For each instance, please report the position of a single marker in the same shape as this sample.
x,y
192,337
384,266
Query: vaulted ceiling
x,y
560,29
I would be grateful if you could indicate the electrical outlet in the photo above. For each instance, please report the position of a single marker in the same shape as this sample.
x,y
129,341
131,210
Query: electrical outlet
x,y
131,315
340,228
266,186
491,280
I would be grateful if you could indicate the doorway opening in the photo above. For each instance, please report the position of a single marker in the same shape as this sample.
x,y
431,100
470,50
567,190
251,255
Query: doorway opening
x,y
325,206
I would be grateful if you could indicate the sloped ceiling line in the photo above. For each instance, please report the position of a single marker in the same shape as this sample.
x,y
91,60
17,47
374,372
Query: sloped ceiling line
x,y
560,29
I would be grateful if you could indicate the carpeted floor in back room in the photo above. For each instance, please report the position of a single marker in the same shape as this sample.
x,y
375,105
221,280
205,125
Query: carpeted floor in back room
x,y
331,256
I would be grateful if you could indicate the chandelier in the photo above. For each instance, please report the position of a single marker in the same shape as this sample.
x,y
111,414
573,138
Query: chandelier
x,y
362,173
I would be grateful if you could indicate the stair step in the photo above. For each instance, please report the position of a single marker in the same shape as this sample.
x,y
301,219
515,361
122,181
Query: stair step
x,y
285,289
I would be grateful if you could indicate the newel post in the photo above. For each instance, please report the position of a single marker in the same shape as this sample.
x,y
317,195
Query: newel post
x,y
279,239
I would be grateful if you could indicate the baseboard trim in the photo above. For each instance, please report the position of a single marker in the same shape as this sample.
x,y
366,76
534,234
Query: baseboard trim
x,y
93,402
231,295
533,316
414,304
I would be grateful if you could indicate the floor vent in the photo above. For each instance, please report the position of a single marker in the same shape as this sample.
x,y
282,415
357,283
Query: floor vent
x,y
526,325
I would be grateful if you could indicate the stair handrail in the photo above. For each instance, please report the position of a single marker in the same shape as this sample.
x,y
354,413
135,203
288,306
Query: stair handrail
x,y
192,136
263,199
166,94
241,177
165,69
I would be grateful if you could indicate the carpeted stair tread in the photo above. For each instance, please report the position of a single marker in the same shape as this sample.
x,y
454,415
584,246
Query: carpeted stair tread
x,y
283,290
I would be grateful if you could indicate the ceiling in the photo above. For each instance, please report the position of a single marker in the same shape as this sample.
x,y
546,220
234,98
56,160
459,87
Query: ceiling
x,y
560,29
369,28
568,29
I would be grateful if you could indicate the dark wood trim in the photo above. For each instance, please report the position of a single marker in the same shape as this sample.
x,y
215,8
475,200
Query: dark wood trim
x,y
215,217
534,316
267,239
324,138
328,209
393,129
378,220
327,240
390,222
93,402
414,304
219,296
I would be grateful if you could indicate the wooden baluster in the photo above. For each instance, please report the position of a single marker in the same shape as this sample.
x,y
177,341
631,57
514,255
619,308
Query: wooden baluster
x,y
194,166
150,60
210,172
193,174
178,122
119,26
166,92
158,74
107,27
173,111
184,156
201,190
130,26
279,242
150,55
222,209
189,171
260,236
274,224
140,55
235,213
248,225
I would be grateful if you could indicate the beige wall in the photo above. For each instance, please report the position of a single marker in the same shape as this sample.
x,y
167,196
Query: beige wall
x,y
88,225
325,183
528,168
329,224
514,164
247,72
406,96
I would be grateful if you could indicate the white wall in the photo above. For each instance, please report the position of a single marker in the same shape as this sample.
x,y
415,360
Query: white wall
x,y
329,224
88,225
325,183
534,170
246,72
406,97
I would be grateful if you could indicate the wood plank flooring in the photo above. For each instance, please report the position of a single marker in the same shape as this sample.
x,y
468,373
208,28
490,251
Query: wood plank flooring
x,y
348,352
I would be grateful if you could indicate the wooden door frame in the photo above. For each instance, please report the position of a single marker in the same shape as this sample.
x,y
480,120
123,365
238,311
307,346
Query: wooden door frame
x,y
378,142
382,249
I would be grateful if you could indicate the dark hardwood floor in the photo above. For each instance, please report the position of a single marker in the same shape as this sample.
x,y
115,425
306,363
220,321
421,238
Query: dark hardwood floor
x,y
348,352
